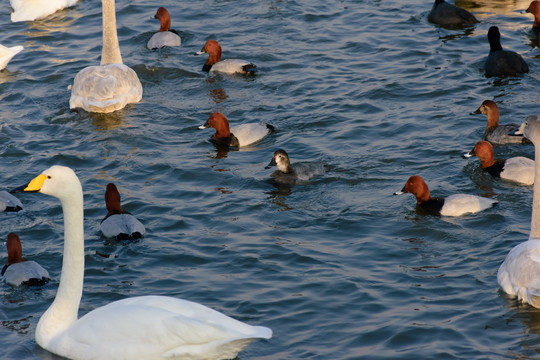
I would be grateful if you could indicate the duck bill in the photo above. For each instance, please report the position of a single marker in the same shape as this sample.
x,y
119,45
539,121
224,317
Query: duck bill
x,y
476,112
203,51
272,163
468,155
204,126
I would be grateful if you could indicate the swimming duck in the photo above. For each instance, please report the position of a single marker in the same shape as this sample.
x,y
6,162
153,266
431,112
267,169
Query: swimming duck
x,y
453,205
502,62
519,274
495,133
9,202
534,8
119,223
30,10
17,270
165,36
446,14
7,53
288,174
112,85
518,169
143,327
240,135
229,66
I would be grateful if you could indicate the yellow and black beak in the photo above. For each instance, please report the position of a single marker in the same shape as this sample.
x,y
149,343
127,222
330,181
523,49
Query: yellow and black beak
x,y
34,186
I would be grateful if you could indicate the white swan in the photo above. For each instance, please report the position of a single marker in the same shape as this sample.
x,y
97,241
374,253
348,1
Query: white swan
x,y
7,53
144,327
30,10
112,85
519,274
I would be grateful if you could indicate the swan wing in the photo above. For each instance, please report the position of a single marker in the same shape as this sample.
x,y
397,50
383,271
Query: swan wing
x,y
105,88
154,327
6,54
29,10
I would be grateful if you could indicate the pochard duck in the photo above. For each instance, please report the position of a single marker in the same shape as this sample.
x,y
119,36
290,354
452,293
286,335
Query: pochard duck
x,y
119,223
30,10
9,202
517,169
6,54
502,62
495,133
288,174
112,85
534,8
229,66
453,205
18,270
446,14
141,327
237,136
165,36
519,274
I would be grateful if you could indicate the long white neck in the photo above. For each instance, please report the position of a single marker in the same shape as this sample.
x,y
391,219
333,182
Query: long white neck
x,y
110,54
535,220
63,311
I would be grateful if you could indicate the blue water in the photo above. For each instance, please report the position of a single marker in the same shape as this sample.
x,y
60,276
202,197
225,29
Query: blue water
x,y
336,266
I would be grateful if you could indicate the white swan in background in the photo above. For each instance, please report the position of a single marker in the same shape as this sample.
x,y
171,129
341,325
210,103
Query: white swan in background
x,y
7,53
29,10
144,327
519,274
119,223
112,85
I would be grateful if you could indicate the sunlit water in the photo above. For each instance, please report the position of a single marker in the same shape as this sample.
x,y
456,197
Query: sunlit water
x,y
337,266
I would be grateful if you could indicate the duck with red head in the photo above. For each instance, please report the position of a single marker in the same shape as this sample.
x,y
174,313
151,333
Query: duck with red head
x,y
237,136
502,62
534,8
495,133
18,270
453,205
518,169
165,36
229,66
119,223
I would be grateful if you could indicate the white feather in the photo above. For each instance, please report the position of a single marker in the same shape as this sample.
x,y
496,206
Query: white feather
x,y
460,204
29,10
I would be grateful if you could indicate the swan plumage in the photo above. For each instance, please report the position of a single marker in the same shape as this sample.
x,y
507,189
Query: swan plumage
x,y
519,274
144,327
29,10
7,53
112,85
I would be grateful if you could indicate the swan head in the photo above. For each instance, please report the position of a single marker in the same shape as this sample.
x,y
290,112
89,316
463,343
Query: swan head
x,y
58,181
531,129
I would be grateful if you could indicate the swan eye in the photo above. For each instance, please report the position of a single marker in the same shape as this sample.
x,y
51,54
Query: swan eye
x,y
48,176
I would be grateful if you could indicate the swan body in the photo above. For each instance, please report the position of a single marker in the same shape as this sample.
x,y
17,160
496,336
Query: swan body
x,y
453,205
519,274
30,10
9,202
518,169
6,54
229,66
112,85
145,327
288,174
237,136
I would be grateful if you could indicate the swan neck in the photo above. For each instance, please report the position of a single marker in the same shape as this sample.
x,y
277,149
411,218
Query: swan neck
x,y
535,218
110,53
64,309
